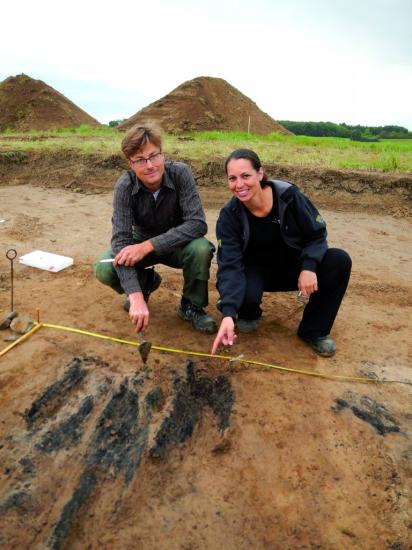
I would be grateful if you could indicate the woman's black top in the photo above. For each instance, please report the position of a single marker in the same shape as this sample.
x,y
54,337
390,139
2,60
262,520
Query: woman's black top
x,y
266,246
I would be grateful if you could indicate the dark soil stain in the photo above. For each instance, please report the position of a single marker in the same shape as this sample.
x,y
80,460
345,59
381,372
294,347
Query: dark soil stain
x,y
29,468
217,393
120,436
140,378
398,546
191,395
370,411
119,440
154,400
69,432
56,395
70,511
20,500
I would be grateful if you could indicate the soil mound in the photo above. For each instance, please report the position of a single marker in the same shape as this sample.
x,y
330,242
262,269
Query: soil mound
x,y
206,103
28,104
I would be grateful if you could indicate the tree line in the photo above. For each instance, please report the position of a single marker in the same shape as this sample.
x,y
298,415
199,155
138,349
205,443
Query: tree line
x,y
357,133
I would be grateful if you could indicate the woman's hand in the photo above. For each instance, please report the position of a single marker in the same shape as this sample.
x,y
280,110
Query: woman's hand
x,y
138,311
226,334
307,282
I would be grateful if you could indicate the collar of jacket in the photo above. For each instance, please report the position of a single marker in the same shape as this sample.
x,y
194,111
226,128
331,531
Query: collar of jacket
x,y
167,181
283,189
284,192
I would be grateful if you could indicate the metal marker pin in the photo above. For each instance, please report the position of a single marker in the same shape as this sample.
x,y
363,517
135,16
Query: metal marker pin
x,y
11,255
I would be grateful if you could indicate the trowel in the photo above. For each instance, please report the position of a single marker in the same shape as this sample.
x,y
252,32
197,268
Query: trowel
x,y
144,347
6,321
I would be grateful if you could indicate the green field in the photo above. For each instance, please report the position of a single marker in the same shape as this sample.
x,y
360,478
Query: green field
x,y
391,155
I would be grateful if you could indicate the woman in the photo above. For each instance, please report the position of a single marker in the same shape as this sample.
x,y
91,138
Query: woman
x,y
271,238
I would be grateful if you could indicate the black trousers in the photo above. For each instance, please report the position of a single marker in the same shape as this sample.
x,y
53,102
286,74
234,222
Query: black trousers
x,y
320,312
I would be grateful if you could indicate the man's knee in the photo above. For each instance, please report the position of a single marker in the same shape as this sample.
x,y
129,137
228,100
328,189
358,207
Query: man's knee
x,y
104,271
201,250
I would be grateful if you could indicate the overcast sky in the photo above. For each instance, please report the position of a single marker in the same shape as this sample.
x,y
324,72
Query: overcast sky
x,y
338,60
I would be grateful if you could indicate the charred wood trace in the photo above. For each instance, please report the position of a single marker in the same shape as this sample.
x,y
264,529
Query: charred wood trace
x,y
101,433
370,411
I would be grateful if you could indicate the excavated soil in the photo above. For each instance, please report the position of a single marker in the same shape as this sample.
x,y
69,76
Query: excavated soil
x,y
99,451
29,104
206,103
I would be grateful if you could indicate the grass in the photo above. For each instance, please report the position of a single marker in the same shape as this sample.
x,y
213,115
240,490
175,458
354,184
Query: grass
x,y
334,153
84,139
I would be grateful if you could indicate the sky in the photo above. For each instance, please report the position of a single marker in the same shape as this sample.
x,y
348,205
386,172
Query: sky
x,y
320,60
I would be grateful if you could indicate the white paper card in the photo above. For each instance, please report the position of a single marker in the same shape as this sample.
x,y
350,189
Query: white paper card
x,y
46,260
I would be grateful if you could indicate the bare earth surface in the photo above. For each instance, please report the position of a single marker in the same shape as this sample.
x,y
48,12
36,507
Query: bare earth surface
x,y
29,104
98,452
206,103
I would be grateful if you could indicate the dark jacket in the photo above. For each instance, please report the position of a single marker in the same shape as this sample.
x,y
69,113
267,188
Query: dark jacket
x,y
171,221
301,228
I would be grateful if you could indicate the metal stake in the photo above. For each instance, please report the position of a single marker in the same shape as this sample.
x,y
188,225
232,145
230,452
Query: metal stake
x,y
11,255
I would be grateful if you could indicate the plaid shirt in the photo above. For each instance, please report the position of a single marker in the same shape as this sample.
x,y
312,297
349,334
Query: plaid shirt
x,y
175,218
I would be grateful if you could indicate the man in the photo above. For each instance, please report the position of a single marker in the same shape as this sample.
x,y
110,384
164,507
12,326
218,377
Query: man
x,y
157,219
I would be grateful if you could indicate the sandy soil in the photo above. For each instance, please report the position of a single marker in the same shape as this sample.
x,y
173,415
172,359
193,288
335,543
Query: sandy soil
x,y
206,103
28,104
98,452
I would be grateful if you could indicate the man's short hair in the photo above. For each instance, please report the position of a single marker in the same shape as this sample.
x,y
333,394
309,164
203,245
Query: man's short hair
x,y
138,136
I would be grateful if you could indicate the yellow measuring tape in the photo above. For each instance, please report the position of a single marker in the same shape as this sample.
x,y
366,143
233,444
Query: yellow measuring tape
x,y
21,339
37,326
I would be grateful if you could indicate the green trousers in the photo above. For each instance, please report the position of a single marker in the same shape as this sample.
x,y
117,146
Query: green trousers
x,y
193,258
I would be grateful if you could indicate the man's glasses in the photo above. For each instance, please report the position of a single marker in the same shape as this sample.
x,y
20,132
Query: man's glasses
x,y
154,159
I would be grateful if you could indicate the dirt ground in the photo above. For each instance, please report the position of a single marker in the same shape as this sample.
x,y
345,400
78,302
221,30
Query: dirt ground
x,y
97,451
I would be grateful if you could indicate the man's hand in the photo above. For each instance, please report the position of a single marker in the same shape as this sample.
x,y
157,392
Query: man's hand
x,y
226,334
138,312
133,253
307,282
